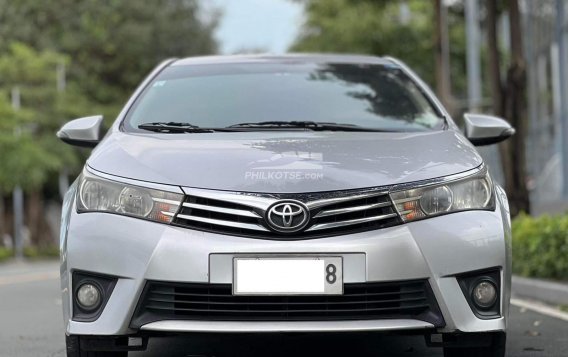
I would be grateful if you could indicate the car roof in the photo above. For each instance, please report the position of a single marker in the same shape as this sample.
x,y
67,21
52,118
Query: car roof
x,y
292,57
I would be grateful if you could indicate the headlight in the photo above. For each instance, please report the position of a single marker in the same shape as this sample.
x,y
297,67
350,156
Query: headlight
x,y
472,193
96,194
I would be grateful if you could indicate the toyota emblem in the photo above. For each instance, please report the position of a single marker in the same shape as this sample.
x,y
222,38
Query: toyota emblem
x,y
287,216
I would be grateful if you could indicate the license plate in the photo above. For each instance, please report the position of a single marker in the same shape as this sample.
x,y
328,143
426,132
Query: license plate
x,y
288,276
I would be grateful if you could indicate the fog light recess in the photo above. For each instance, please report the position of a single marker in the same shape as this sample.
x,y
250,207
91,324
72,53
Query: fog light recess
x,y
484,294
482,290
91,292
89,296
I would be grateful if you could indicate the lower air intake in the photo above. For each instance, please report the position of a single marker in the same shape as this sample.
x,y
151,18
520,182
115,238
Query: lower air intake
x,y
361,301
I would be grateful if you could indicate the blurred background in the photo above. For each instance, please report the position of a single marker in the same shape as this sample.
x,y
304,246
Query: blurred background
x,y
62,59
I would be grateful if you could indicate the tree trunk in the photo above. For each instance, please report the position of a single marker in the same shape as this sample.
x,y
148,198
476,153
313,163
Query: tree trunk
x,y
494,58
443,88
515,112
509,102
34,216
2,219
497,90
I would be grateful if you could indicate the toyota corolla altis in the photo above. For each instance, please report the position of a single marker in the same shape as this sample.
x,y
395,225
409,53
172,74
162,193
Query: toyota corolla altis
x,y
280,194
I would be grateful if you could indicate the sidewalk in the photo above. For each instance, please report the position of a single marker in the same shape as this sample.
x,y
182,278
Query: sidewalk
x,y
553,293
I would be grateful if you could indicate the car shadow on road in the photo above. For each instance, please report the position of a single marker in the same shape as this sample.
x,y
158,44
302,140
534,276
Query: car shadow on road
x,y
273,345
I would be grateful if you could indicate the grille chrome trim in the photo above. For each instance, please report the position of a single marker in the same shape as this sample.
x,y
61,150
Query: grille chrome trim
x,y
259,201
237,212
332,212
349,222
223,222
331,201
244,214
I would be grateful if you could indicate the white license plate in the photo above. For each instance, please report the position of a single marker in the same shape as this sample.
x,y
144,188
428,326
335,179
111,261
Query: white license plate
x,y
288,276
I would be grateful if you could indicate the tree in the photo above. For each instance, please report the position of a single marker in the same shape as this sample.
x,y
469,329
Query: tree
x,y
113,44
27,143
377,27
26,135
509,102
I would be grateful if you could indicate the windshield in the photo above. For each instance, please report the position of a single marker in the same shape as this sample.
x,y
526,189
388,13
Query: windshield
x,y
222,95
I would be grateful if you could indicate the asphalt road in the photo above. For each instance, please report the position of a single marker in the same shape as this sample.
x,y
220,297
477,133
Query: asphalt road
x,y
31,325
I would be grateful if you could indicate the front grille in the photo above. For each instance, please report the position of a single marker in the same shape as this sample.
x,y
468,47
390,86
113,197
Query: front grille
x,y
361,301
244,214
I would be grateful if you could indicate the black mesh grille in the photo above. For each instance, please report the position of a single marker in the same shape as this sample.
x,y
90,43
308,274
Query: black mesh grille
x,y
362,301
387,211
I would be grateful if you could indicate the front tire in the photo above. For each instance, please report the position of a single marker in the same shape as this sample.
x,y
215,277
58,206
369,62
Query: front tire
x,y
74,350
496,348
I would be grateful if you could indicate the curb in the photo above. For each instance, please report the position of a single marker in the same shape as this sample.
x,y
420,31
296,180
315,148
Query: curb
x,y
542,290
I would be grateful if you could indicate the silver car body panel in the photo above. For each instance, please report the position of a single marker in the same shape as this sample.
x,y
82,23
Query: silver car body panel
x,y
285,162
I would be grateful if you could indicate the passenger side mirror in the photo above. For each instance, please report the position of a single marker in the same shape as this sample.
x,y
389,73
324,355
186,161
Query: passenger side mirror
x,y
486,129
83,132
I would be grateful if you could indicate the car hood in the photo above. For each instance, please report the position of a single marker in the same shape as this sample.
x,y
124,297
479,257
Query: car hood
x,y
284,162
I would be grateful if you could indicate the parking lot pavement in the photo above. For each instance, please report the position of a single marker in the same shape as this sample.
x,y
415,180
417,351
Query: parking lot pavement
x,y
31,326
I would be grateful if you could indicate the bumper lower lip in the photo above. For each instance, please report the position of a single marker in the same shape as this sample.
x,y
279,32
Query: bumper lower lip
x,y
285,326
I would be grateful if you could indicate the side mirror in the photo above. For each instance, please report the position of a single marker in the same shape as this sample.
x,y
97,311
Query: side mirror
x,y
84,132
486,130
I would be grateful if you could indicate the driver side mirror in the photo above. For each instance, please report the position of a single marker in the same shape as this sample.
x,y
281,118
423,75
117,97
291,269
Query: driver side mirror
x,y
486,129
83,132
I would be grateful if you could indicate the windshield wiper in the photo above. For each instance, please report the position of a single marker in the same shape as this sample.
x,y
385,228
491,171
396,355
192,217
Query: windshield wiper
x,y
182,127
307,125
178,127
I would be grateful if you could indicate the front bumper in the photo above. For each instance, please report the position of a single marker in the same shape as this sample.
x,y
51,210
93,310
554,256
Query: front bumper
x,y
136,251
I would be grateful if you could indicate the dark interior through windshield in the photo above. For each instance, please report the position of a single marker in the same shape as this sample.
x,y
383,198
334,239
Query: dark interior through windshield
x,y
220,95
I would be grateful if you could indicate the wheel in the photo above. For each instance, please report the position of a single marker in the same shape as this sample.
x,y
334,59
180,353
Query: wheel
x,y
496,348
74,350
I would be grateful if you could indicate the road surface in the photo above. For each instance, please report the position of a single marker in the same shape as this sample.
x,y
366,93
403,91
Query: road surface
x,y
31,326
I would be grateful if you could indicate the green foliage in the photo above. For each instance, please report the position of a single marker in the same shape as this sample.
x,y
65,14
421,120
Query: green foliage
x,y
370,27
112,43
106,48
5,254
374,27
540,246
26,136
50,251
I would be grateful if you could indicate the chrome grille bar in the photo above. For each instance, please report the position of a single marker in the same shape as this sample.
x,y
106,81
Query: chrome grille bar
x,y
349,222
220,222
238,212
333,212
258,201
331,201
